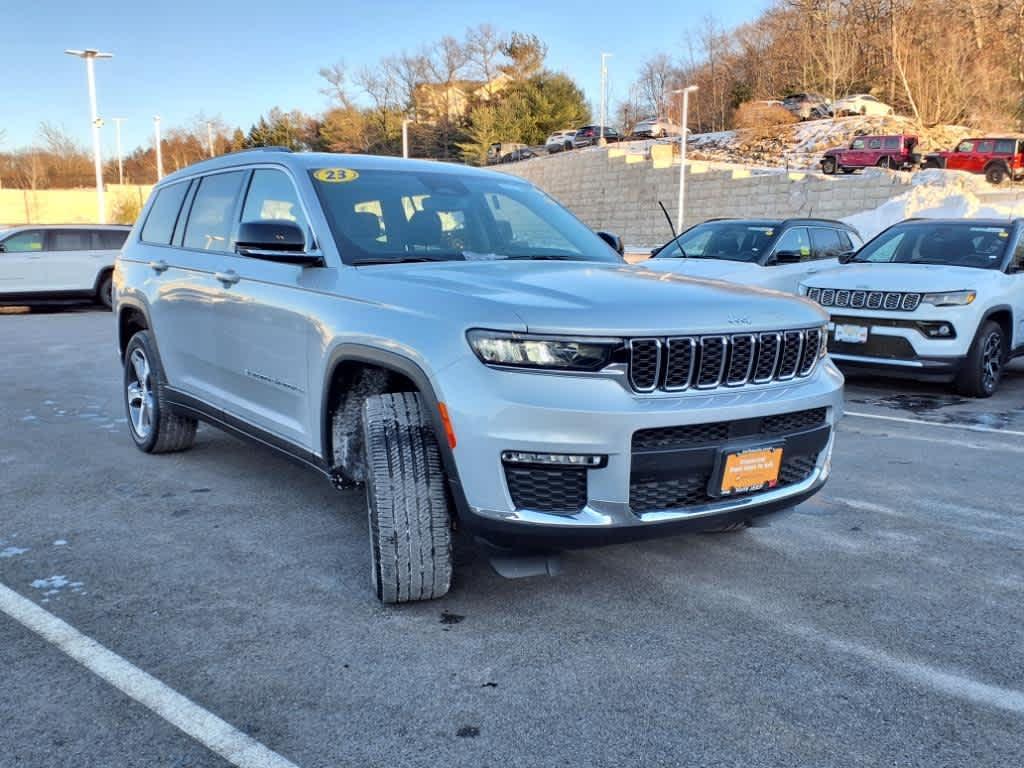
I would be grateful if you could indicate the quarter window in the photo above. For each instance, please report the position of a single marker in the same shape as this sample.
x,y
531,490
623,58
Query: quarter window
x,y
272,197
24,242
163,214
211,220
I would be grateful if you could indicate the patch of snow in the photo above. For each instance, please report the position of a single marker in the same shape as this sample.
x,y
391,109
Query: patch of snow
x,y
60,543
13,551
936,194
54,582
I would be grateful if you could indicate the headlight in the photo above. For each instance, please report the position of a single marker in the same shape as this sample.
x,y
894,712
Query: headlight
x,y
553,352
949,298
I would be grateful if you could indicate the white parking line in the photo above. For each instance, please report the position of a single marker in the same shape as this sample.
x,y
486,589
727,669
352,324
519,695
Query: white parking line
x,y
203,726
968,427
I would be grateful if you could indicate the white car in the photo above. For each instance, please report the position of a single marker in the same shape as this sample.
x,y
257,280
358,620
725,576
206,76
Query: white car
x,y
560,140
656,127
762,253
938,299
67,262
861,104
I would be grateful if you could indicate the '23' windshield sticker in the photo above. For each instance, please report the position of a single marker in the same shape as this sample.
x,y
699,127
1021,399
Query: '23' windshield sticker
x,y
335,175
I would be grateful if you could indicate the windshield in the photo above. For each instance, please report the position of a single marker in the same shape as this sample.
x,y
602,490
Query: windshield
x,y
380,217
955,244
728,240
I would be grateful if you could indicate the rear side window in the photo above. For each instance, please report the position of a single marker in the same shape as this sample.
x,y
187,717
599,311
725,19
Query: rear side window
x,y
70,240
826,243
1005,146
164,213
892,142
109,239
986,146
211,219
875,144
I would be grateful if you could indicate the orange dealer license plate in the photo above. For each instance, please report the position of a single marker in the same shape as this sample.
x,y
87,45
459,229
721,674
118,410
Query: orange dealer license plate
x,y
754,469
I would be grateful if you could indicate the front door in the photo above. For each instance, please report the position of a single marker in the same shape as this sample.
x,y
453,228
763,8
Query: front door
x,y
22,262
960,160
788,264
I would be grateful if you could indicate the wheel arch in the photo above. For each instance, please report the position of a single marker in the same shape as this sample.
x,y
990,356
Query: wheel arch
x,y
131,318
1003,316
409,376
100,276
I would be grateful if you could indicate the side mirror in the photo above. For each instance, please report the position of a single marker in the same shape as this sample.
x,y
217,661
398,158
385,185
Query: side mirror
x,y
846,257
3,248
656,251
787,257
614,241
274,240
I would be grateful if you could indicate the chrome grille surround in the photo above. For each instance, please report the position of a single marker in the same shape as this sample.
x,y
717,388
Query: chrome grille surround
x,y
679,363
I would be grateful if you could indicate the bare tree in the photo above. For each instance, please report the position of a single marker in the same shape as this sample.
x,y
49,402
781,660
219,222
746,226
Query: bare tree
x,y
484,53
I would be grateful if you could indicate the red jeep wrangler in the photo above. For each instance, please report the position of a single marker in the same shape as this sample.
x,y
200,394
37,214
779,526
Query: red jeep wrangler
x,y
896,152
998,158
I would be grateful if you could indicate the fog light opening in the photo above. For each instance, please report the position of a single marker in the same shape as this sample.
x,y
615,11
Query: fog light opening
x,y
585,460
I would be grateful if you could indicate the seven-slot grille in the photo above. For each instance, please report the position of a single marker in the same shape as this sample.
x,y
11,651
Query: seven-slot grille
x,y
708,362
893,301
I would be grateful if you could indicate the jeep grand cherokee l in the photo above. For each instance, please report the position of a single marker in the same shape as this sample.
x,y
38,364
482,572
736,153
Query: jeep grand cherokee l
x,y
939,299
466,348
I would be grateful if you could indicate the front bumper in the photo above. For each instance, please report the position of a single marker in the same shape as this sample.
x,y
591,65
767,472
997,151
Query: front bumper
x,y
597,414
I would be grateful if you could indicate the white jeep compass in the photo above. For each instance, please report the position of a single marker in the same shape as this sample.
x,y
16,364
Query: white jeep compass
x,y
930,298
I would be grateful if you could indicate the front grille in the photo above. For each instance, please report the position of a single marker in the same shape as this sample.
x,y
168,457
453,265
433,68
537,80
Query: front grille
x,y
709,362
691,490
547,489
892,301
717,432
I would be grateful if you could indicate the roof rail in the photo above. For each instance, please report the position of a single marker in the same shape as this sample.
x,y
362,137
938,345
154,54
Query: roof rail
x,y
274,148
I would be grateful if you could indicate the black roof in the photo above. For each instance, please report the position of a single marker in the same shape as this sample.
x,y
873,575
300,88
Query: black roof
x,y
795,222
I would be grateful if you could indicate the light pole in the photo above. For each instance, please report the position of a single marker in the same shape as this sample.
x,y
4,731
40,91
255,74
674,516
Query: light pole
x,y
405,136
604,83
682,151
120,159
159,149
90,55
209,137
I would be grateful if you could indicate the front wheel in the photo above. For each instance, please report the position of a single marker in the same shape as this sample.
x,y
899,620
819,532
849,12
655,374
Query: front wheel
x,y
407,501
151,423
105,291
983,368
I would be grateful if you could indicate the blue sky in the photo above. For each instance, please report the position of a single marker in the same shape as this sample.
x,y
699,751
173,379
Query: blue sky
x,y
237,59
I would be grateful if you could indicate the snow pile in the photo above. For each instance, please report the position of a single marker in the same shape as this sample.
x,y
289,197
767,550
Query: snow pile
x,y
936,194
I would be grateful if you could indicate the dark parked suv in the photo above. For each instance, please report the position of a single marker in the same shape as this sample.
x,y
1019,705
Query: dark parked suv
x,y
896,152
807,106
589,135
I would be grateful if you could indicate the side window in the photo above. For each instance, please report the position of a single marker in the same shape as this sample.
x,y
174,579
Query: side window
x,y
892,142
272,196
827,243
24,242
795,241
210,222
1017,264
986,146
163,214
1005,146
875,144
857,144
965,146
109,239
70,240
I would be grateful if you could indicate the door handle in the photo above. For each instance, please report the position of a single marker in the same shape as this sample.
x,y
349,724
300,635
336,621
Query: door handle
x,y
228,278
158,266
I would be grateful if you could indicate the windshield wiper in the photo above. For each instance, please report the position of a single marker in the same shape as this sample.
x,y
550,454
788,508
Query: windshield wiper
x,y
543,257
408,259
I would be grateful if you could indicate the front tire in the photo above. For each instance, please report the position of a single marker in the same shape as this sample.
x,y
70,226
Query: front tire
x,y
828,166
153,426
983,368
407,501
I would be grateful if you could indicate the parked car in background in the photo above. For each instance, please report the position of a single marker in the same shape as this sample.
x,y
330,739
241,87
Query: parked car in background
x,y
501,149
66,263
559,140
896,152
522,153
937,299
861,104
589,135
999,158
467,349
655,128
766,253
807,106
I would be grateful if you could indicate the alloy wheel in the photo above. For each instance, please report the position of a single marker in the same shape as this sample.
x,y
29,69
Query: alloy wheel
x,y
991,361
140,395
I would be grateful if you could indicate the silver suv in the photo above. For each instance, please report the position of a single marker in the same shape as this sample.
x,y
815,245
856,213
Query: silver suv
x,y
462,345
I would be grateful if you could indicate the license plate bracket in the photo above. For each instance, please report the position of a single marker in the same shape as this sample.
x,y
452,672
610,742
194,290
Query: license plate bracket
x,y
746,470
851,333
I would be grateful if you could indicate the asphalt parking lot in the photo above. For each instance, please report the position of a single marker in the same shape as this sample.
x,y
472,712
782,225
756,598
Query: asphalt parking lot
x,y
877,625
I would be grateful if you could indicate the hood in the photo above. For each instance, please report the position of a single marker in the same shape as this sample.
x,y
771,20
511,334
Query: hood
x,y
714,269
586,298
914,278
834,151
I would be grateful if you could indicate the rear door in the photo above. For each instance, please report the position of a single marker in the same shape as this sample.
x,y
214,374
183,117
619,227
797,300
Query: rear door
x,y
22,264
72,261
983,152
265,326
